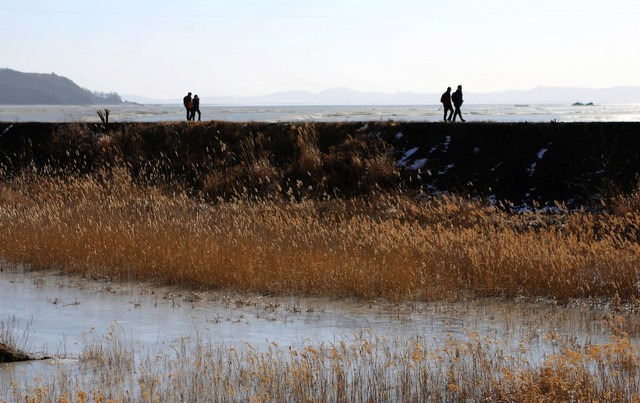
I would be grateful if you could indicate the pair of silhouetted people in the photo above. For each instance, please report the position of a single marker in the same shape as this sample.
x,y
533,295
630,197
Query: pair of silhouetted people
x,y
447,99
192,105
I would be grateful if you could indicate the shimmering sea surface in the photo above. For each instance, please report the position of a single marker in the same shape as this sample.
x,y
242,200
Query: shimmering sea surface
x,y
325,113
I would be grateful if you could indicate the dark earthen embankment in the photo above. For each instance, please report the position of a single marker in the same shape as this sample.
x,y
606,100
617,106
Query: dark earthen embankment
x,y
574,163
546,162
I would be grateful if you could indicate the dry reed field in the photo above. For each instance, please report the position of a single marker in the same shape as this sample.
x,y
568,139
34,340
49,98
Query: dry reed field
x,y
388,246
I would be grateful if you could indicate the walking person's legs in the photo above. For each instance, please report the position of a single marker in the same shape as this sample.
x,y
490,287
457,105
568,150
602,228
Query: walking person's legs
x,y
458,113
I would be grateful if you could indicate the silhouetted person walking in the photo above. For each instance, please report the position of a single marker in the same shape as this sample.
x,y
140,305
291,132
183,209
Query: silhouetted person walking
x,y
196,107
188,104
446,103
456,97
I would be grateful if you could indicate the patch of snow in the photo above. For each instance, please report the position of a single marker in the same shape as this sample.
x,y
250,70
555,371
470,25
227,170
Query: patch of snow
x,y
476,150
399,135
6,130
417,164
447,168
495,167
541,153
447,142
403,161
525,208
429,188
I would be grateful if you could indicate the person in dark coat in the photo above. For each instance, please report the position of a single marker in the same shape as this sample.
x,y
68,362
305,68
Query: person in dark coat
x,y
456,97
188,104
196,108
446,103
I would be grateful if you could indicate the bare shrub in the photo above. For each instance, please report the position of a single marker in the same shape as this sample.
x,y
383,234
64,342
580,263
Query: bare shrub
x,y
380,170
103,114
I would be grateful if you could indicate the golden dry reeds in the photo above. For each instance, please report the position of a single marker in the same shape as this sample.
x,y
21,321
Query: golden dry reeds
x,y
381,246
360,368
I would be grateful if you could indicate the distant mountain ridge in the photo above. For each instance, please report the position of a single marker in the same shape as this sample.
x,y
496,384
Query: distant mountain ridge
x,y
18,88
346,96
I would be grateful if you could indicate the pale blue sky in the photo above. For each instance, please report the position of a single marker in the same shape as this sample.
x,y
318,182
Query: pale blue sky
x,y
161,49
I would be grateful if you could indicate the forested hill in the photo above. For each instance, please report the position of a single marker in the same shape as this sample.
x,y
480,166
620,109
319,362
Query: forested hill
x,y
18,88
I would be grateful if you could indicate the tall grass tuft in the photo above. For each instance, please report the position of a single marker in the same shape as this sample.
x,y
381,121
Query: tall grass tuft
x,y
15,337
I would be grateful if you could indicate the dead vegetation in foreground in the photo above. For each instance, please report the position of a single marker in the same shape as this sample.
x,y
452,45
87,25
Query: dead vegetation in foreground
x,y
388,246
362,368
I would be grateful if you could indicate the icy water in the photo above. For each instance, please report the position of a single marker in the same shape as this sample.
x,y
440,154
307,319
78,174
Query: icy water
x,y
55,314
297,113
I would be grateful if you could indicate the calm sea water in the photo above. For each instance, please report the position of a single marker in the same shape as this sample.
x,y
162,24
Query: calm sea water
x,y
297,113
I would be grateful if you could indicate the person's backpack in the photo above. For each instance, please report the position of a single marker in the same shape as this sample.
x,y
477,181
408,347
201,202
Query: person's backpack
x,y
443,98
456,97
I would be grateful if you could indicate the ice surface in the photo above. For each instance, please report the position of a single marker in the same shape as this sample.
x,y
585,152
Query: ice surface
x,y
403,161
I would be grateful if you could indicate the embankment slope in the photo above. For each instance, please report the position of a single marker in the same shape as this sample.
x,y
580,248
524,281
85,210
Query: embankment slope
x,y
572,163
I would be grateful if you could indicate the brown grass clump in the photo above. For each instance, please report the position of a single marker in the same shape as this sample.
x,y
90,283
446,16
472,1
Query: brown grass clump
x,y
621,204
383,246
309,156
14,343
242,181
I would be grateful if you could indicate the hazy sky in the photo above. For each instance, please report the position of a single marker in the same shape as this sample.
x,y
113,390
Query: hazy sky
x,y
162,48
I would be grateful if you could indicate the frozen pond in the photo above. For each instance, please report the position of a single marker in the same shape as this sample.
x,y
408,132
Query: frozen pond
x,y
60,309
60,312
